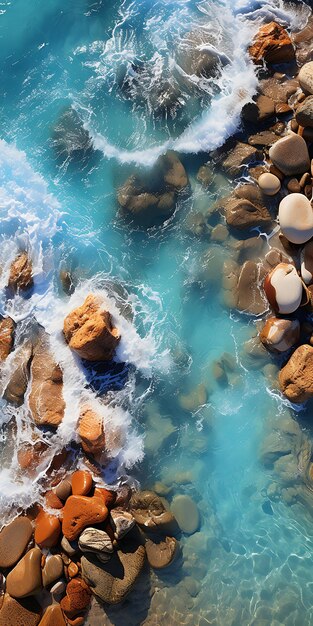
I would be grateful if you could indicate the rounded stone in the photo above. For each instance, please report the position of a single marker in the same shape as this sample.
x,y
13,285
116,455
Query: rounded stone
x,y
81,483
283,288
95,540
296,218
279,335
53,616
77,598
307,263
304,113
72,570
296,377
13,541
150,513
48,529
305,78
122,522
186,513
26,612
25,579
52,570
269,184
63,490
161,554
290,154
58,588
80,512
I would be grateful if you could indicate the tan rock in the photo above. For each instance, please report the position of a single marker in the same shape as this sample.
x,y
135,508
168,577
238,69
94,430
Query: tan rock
x,y
6,337
278,335
21,271
19,374
26,612
242,214
240,155
249,295
53,616
13,541
52,570
296,377
25,579
150,513
46,400
260,109
296,218
161,554
306,77
272,44
89,331
269,184
91,431
290,155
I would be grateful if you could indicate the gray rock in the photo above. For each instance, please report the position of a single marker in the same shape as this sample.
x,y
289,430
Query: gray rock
x,y
95,540
290,154
186,513
304,114
122,522
69,547
306,78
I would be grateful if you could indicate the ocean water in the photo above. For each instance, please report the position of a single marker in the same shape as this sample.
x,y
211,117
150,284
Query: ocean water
x,y
82,91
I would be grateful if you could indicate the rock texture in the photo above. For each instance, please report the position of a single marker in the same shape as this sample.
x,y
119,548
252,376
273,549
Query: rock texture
x,y
242,214
122,522
25,578
20,612
150,513
21,273
6,337
307,263
95,540
46,400
77,598
90,332
161,554
52,570
91,431
290,154
47,530
239,156
272,44
306,77
304,113
278,335
13,541
80,512
296,377
53,616
186,513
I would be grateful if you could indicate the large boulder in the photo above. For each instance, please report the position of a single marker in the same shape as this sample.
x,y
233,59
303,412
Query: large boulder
x,y
272,44
90,332
296,377
21,273
290,155
46,400
6,337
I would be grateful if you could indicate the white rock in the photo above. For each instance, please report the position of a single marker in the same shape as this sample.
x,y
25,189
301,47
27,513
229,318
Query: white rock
x,y
283,288
296,218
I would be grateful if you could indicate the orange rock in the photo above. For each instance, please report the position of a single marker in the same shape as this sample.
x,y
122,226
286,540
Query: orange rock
x,y
272,44
90,332
77,598
47,530
90,430
46,400
108,497
80,512
30,455
53,616
21,273
81,483
52,500
72,570
6,337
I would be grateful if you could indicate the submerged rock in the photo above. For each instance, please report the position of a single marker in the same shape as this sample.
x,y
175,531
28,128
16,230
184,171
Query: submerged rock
x,y
249,298
150,513
272,44
21,273
6,337
279,335
283,288
14,539
69,136
296,377
19,374
161,554
198,56
25,579
48,529
90,332
46,400
186,513
290,154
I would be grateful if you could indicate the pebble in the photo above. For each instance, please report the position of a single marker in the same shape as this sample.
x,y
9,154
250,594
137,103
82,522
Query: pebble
x,y
296,218
25,613
59,588
52,570
81,483
290,154
72,570
122,522
307,263
47,531
269,184
25,579
80,512
283,288
13,541
304,113
70,547
305,180
63,490
186,513
161,554
95,540
53,616
52,501
293,186
77,598
305,77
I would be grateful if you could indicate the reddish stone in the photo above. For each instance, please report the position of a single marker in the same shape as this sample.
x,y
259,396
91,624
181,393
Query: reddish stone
x,y
108,497
80,512
90,430
21,273
72,570
81,483
48,529
6,337
53,616
30,455
52,500
272,44
77,598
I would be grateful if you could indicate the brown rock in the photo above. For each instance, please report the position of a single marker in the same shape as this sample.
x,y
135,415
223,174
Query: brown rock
x,y
161,554
13,541
19,374
81,483
282,109
21,273
272,44
46,400
80,512
150,513
279,88
290,154
263,139
249,299
52,570
296,377
205,175
240,155
261,109
77,598
47,530
6,337
20,612
64,489
91,432
72,570
30,455
53,616
25,579
89,331
242,214
278,335
304,113
52,501
293,186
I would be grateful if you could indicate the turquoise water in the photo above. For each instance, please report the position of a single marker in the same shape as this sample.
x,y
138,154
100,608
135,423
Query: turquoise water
x,y
62,69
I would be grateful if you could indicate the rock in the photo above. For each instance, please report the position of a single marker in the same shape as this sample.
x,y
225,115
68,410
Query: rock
x,y
196,398
91,432
242,214
14,539
19,374
52,501
219,233
52,570
81,483
150,513
95,540
80,512
296,218
53,616
269,184
290,155
264,139
307,263
278,335
46,400
21,273
293,186
260,109
108,497
186,513
197,56
306,78
304,113
272,44
282,109
196,224
6,337
205,175
90,332
20,612
69,547
122,522
305,180
239,156
112,581
283,288
64,489
77,598
72,570
273,447
161,554
249,297
25,578
296,377
47,531
279,88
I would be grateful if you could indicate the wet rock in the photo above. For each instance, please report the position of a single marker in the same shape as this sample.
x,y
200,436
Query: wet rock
x,y
95,540
69,136
25,612
273,447
21,273
151,515
72,570
25,579
90,332
80,512
279,335
52,501
19,374
53,616
14,539
239,156
6,337
283,288
47,531
205,175
296,218
186,513
161,554
77,598
64,489
269,184
249,298
282,109
52,570
30,455
193,400
263,139
304,113
69,547
307,263
296,377
122,522
197,56
242,214
108,497
272,44
91,432
260,109
290,155
81,483
112,581
293,186
279,88
46,400
306,77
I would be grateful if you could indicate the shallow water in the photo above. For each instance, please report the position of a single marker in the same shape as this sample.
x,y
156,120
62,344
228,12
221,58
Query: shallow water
x,y
251,561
